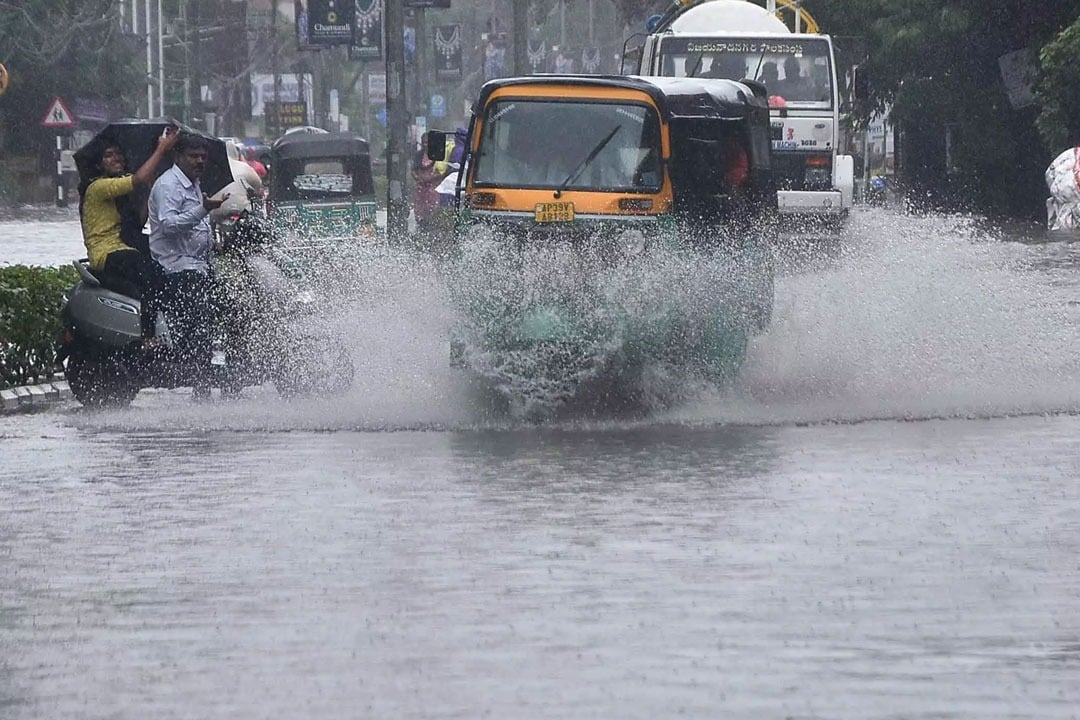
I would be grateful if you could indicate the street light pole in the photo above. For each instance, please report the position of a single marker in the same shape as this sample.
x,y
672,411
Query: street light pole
x,y
160,62
149,61
397,215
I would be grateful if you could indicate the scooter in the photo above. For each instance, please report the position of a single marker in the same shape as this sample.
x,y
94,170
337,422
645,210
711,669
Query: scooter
x,y
267,330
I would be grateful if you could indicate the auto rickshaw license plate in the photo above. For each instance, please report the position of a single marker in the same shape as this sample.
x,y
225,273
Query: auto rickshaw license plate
x,y
554,212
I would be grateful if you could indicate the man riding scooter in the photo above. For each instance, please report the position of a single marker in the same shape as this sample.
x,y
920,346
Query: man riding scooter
x,y
181,242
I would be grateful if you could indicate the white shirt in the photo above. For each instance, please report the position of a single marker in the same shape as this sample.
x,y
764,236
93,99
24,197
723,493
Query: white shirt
x,y
180,237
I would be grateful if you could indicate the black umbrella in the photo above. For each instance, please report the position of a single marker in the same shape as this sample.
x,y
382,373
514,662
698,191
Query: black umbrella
x,y
138,138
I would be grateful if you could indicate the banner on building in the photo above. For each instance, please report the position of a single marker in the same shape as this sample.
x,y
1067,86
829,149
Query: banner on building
x,y
367,43
448,52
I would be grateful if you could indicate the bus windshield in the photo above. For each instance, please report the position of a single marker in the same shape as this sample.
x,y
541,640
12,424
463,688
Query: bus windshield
x,y
570,145
797,69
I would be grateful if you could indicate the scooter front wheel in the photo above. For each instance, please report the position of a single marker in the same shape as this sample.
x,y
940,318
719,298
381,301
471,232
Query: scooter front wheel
x,y
99,382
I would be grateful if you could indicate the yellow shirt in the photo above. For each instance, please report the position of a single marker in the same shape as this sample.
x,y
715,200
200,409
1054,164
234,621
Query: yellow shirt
x,y
101,219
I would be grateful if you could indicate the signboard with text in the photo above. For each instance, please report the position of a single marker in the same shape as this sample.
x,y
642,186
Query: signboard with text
x,y
376,86
291,87
285,114
367,42
320,23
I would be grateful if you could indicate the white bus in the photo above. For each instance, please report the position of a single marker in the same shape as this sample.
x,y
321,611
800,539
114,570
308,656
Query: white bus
x,y
738,39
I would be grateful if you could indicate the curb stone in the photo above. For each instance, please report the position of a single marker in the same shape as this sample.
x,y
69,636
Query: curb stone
x,y
32,397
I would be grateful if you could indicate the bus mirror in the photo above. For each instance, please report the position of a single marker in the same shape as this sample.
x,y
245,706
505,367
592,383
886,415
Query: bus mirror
x,y
436,145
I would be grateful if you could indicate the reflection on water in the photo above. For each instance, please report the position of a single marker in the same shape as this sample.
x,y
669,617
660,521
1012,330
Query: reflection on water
x,y
759,552
915,570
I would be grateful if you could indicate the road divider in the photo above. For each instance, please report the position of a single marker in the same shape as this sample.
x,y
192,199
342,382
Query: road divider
x,y
34,397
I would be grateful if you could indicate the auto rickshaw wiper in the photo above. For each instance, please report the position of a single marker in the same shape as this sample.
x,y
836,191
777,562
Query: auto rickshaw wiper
x,y
588,159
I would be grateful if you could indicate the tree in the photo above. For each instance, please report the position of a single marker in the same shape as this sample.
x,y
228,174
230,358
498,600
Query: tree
x,y
1059,90
935,63
67,48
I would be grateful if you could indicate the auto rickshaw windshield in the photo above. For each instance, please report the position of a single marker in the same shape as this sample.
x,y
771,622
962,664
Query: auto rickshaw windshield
x,y
569,144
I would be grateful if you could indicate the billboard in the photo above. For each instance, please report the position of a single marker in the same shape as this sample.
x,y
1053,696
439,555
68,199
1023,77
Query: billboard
x,y
447,52
320,23
367,42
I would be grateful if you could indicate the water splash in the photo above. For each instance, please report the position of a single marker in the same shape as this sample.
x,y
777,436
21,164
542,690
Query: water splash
x,y
911,317
553,324
903,317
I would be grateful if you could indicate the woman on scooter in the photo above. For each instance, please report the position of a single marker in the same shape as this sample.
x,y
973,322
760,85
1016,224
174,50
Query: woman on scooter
x,y
102,219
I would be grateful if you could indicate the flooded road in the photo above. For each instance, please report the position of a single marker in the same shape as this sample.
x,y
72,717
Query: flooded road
x,y
878,521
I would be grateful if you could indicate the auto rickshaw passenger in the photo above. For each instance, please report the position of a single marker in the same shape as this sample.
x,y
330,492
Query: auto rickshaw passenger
x,y
736,164
104,219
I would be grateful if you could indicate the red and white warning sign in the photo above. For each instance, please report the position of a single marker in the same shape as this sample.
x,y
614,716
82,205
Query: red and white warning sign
x,y
58,115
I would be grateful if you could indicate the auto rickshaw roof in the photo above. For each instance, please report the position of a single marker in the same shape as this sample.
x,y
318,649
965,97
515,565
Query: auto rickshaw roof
x,y
319,145
677,97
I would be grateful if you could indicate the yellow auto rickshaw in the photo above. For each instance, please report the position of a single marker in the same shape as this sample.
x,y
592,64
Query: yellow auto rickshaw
x,y
611,170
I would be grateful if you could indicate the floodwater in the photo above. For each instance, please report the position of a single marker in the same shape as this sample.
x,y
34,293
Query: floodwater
x,y
879,520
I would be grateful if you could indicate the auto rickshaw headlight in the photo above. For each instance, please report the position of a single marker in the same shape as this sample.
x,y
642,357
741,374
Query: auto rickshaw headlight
x,y
633,242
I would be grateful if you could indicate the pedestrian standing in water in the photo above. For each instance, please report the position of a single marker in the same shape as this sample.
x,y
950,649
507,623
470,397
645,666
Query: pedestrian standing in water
x,y
103,221
181,242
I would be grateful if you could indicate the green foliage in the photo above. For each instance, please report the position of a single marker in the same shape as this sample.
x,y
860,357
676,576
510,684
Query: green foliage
x,y
935,63
1059,89
30,301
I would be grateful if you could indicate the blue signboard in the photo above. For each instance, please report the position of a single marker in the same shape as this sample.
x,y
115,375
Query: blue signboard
x,y
438,106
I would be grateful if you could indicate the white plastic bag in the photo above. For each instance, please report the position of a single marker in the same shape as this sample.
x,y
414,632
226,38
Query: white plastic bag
x,y
1063,180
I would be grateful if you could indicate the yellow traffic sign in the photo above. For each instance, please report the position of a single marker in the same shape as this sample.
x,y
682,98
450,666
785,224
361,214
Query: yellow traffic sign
x,y
3,79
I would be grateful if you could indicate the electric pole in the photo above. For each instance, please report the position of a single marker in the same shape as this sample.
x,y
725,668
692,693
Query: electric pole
x,y
521,37
421,62
397,155
196,56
